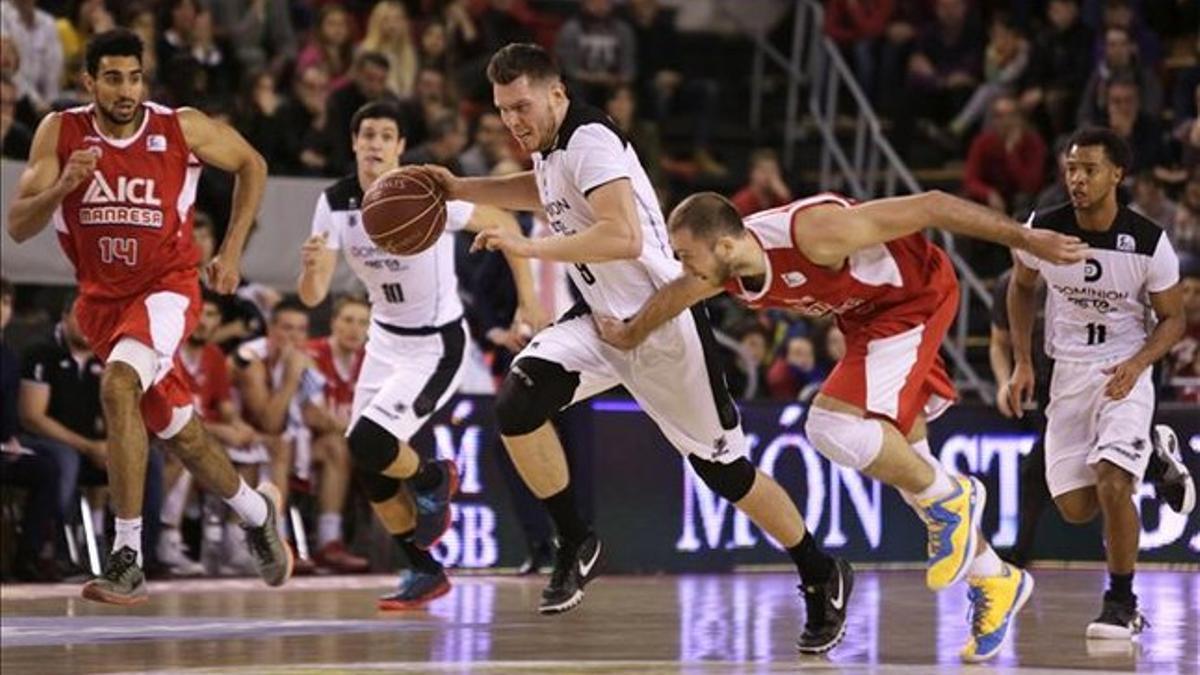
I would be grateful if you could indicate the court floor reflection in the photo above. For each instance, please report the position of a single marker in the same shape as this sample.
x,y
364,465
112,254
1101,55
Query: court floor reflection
x,y
702,624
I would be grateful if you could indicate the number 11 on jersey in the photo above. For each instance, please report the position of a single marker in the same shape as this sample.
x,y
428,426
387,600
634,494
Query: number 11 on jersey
x,y
1097,332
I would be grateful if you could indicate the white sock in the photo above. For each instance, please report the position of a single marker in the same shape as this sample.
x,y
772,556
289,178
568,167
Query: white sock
x,y
942,484
172,508
329,528
250,506
987,564
129,533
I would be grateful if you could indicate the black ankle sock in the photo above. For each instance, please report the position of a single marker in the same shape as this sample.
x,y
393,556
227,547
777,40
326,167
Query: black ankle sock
x,y
420,560
570,527
427,477
815,565
1121,585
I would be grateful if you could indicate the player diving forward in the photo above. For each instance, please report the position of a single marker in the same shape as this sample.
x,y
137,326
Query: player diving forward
x,y
894,295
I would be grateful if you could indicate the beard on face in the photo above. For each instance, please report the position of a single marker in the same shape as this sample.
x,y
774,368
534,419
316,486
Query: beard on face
x,y
111,114
723,271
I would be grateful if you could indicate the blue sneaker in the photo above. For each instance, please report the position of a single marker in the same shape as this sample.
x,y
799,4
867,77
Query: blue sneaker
x,y
433,507
415,590
994,602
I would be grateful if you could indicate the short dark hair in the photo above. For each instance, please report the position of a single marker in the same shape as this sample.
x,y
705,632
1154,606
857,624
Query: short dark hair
x,y
371,58
1006,20
518,59
1114,146
115,42
288,304
377,110
707,215
6,288
345,301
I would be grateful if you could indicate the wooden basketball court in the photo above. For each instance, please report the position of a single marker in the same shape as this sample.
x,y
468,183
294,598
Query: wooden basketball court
x,y
737,623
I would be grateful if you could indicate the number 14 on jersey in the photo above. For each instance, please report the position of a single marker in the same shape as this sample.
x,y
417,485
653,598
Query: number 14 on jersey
x,y
119,249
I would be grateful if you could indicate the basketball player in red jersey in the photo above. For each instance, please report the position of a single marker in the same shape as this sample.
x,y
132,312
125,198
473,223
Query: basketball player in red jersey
x,y
118,179
894,295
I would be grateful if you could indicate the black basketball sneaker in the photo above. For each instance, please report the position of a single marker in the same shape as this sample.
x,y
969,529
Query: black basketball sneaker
x,y
826,606
1119,619
573,569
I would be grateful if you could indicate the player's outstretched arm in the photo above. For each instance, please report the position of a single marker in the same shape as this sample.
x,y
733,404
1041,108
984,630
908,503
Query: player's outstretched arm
x,y
828,235
219,145
515,192
663,306
1022,308
45,183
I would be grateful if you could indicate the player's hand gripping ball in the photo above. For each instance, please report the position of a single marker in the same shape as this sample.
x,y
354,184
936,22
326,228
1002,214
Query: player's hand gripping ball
x,y
404,211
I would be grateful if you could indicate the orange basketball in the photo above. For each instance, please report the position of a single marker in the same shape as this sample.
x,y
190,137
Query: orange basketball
x,y
404,211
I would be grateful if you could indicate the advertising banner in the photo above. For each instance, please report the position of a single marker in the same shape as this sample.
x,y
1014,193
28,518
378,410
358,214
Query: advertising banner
x,y
655,516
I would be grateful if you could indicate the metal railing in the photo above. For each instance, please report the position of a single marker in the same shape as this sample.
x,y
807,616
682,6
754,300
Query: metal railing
x,y
866,168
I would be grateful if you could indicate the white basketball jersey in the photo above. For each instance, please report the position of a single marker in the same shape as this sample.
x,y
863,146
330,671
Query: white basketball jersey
x,y
588,153
416,291
1099,309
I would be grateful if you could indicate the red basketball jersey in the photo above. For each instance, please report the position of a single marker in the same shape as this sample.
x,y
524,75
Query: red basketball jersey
x,y
208,380
339,385
131,223
900,282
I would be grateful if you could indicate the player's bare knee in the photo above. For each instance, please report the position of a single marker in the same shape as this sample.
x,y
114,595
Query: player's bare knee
x,y
372,447
732,481
120,386
533,391
190,443
1114,485
847,440
1077,508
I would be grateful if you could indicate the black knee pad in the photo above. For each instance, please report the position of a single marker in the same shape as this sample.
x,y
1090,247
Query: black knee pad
x,y
376,486
533,391
732,481
372,447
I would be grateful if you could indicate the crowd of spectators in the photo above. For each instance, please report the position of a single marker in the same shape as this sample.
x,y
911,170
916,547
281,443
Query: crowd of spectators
x,y
994,85
991,89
